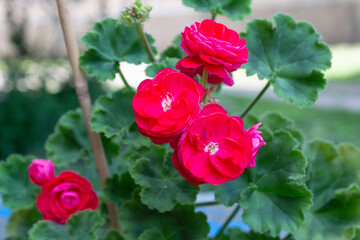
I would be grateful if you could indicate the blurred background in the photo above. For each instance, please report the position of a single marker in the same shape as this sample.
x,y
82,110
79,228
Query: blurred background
x,y
36,85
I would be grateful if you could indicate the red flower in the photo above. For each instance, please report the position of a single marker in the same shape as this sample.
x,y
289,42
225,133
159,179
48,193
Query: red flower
x,y
64,195
212,45
192,72
214,149
41,170
165,106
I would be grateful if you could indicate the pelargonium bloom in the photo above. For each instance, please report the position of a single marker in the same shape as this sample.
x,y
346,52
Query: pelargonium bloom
x,y
192,72
257,142
65,195
215,47
165,106
41,170
214,149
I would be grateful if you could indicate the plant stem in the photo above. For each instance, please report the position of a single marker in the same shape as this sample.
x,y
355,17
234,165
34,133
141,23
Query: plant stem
x,y
227,221
81,88
127,85
252,104
203,82
204,204
145,42
213,16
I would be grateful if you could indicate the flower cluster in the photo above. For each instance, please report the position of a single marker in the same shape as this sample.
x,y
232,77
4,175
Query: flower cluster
x,y
209,145
63,195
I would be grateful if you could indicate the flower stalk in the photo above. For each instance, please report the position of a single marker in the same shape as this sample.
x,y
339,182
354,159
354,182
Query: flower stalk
x,y
224,226
252,104
203,82
81,88
145,42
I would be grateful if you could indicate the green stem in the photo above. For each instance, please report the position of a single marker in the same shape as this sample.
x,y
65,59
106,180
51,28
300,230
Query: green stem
x,y
127,85
213,16
145,42
204,204
227,222
203,82
252,104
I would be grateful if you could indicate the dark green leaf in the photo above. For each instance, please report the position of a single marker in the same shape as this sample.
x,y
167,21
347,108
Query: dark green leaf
x,y
138,222
233,9
162,185
80,226
289,55
229,192
18,192
273,201
20,223
112,115
333,179
69,143
113,235
118,190
237,234
154,68
109,43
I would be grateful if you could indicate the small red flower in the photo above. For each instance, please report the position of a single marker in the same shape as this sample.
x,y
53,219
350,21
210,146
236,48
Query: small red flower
x,y
214,149
41,170
165,106
257,142
65,195
215,47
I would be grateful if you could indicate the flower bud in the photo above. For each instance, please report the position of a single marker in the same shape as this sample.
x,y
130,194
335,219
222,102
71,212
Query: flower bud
x,y
41,170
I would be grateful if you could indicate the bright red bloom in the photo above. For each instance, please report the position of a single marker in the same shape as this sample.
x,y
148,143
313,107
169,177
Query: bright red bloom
x,y
212,45
41,170
257,142
214,149
165,106
192,72
64,195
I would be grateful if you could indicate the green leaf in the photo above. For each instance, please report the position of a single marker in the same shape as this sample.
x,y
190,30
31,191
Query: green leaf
x,y
18,192
273,200
233,9
80,226
118,190
237,234
154,68
69,143
289,55
112,115
162,186
138,222
275,121
109,43
333,179
113,235
229,192
335,220
20,222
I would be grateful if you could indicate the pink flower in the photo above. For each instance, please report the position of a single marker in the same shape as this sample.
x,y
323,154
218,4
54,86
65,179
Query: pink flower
x,y
41,170
214,149
65,195
165,106
257,142
212,45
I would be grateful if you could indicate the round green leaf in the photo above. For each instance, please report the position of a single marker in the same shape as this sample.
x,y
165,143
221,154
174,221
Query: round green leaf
x,y
233,9
162,185
109,43
20,222
154,68
273,200
183,222
289,55
79,226
18,192
112,115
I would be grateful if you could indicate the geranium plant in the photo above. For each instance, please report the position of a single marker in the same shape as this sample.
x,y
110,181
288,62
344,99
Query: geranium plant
x,y
131,165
